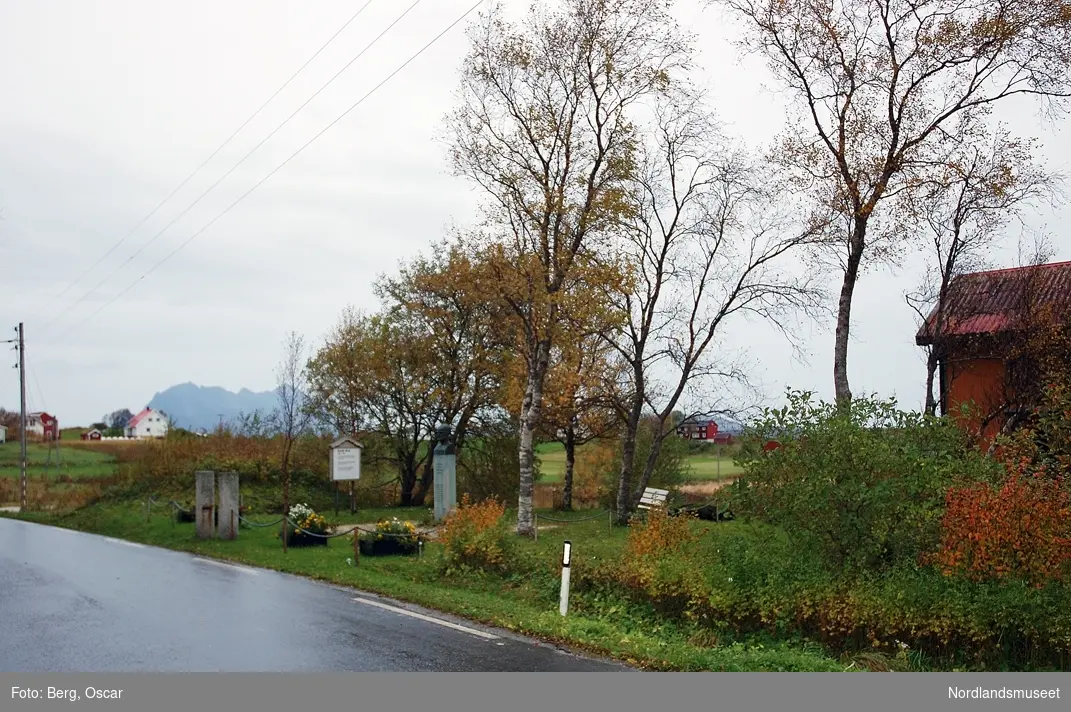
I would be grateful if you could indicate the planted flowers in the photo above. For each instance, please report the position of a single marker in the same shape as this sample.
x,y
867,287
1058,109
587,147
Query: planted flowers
x,y
308,528
390,536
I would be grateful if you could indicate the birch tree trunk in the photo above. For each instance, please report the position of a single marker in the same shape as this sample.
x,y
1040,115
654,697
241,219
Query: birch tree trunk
x,y
530,412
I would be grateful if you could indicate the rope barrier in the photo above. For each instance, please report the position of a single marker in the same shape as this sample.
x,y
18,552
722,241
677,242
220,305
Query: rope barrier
x,y
318,536
296,528
612,510
421,535
259,524
390,533
172,503
571,520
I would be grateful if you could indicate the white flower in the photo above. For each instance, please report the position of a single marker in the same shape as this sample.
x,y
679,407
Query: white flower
x,y
301,511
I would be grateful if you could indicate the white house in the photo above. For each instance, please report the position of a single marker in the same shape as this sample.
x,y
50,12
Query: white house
x,y
148,423
3,433
42,425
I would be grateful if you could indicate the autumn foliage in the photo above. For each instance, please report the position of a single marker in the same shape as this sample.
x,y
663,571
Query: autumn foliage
x,y
1018,530
661,563
475,536
593,464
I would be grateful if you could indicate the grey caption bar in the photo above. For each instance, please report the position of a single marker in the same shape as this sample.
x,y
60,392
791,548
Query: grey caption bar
x,y
521,692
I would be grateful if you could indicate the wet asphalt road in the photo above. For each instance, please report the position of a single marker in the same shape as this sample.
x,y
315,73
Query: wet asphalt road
x,y
75,602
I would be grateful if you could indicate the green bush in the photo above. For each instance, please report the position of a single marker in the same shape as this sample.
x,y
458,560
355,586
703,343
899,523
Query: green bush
x,y
743,579
773,586
864,485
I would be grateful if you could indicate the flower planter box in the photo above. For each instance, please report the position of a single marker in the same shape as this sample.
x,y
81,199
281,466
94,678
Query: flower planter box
x,y
302,539
387,546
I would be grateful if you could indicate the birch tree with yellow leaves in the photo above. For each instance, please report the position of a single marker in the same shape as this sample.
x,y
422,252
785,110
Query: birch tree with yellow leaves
x,y
545,127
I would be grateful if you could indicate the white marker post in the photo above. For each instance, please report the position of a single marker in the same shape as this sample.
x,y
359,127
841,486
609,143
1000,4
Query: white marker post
x,y
563,607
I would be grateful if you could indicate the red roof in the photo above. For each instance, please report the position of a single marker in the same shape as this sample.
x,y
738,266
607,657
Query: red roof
x,y
989,302
138,418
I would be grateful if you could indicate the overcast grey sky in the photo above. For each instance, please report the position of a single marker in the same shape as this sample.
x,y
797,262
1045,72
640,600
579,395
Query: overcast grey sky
x,y
107,105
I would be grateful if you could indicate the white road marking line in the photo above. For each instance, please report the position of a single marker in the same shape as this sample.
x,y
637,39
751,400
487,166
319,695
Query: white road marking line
x,y
429,619
226,566
126,543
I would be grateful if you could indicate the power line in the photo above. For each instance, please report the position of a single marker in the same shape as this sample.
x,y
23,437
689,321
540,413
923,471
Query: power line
x,y
240,162
281,165
220,148
44,404
29,402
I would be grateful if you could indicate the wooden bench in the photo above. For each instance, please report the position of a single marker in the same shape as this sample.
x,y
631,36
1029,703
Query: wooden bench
x,y
653,499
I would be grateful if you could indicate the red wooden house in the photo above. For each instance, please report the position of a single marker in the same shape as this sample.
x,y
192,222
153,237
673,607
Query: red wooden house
x,y
704,431
974,337
42,425
698,429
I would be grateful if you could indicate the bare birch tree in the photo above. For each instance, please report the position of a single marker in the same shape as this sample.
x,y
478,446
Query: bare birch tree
x,y
964,213
544,128
710,240
881,88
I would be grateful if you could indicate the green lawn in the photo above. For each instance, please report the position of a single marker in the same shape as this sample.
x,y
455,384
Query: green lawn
x,y
551,461
74,462
527,605
704,467
712,467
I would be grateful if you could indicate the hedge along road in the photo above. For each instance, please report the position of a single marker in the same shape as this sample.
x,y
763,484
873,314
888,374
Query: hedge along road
x,y
82,602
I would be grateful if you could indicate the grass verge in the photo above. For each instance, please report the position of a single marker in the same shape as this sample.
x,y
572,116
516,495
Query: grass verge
x,y
597,623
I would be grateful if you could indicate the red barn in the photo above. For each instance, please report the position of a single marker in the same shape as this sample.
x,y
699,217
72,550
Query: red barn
x,y
93,434
975,339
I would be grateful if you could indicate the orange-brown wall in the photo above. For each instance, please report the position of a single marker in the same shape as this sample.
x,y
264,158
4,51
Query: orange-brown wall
x,y
981,382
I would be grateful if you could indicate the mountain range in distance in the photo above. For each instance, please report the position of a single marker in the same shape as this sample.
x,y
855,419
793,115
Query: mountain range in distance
x,y
196,407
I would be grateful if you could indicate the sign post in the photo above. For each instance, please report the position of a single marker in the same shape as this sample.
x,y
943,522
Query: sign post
x,y
445,464
346,466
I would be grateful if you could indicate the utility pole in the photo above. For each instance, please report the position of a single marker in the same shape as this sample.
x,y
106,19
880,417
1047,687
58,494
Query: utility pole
x,y
22,421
